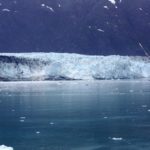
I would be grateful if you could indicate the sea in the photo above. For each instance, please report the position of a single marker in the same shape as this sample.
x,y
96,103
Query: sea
x,y
75,115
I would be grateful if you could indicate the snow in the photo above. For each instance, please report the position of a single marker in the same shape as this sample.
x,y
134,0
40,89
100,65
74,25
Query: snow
x,y
100,30
106,7
50,8
112,1
3,147
43,5
6,10
50,66
143,49
59,5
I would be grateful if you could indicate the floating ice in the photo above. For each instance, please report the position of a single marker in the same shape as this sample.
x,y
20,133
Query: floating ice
x,y
144,106
117,138
23,118
37,132
51,123
58,66
3,147
43,5
105,117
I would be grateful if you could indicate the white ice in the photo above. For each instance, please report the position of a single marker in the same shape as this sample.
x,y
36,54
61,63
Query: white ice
x,y
73,66
117,138
112,1
106,7
3,147
6,10
100,30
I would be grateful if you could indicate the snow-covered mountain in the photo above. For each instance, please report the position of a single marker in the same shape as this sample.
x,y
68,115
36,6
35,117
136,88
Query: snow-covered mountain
x,y
99,27
57,66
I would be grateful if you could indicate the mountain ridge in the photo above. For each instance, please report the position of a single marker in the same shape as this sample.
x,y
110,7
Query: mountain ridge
x,y
97,27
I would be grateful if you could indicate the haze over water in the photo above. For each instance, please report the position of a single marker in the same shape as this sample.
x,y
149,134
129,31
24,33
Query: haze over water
x,y
75,115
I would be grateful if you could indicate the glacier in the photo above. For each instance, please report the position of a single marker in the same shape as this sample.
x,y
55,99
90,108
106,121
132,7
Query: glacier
x,y
65,66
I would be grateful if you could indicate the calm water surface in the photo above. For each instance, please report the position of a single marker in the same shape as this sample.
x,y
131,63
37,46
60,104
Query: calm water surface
x,y
75,115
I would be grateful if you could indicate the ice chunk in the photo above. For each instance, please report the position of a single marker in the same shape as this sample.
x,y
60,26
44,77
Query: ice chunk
x,y
22,120
144,106
22,117
117,138
3,147
37,132
105,117
51,123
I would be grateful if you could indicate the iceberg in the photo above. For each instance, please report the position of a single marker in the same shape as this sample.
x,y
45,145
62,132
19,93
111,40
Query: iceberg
x,y
3,147
64,66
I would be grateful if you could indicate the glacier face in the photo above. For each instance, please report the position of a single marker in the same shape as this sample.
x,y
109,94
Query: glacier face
x,y
55,66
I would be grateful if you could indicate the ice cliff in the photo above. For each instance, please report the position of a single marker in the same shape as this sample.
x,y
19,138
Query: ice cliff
x,y
56,66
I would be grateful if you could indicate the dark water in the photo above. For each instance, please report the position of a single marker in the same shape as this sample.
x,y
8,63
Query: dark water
x,y
75,115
